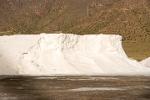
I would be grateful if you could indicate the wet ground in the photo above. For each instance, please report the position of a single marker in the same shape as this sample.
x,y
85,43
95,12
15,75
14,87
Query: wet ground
x,y
74,88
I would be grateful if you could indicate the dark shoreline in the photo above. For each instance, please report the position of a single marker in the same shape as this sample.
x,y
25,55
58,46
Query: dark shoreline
x,y
74,87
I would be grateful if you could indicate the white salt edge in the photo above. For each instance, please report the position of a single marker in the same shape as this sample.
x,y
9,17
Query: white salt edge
x,y
146,62
66,54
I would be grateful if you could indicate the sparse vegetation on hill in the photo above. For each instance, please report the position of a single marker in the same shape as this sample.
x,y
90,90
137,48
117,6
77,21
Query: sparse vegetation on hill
x,y
129,18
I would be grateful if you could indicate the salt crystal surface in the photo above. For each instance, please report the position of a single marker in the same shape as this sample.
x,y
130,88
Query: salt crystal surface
x,y
66,54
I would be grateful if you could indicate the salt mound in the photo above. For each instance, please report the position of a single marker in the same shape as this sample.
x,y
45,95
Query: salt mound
x,y
146,62
66,54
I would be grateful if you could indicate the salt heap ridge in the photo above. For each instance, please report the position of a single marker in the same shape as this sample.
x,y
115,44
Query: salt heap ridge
x,y
146,62
70,54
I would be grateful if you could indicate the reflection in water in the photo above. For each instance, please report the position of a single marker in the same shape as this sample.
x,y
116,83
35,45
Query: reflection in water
x,y
74,88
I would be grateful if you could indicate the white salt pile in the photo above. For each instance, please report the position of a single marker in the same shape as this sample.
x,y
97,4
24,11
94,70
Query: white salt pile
x,y
146,62
66,54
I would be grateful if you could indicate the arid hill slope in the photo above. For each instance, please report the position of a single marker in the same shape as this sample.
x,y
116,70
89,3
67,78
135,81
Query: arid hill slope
x,y
130,18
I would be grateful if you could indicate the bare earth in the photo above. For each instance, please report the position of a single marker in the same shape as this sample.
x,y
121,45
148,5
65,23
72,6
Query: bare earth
x,y
74,88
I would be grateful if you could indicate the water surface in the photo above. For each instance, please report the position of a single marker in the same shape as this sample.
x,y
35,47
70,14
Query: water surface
x,y
74,88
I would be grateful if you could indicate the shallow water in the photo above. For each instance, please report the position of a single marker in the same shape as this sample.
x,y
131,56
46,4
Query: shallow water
x,y
74,88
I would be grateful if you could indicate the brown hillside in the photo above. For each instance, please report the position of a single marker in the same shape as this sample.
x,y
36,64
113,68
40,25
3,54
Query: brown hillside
x,y
130,18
